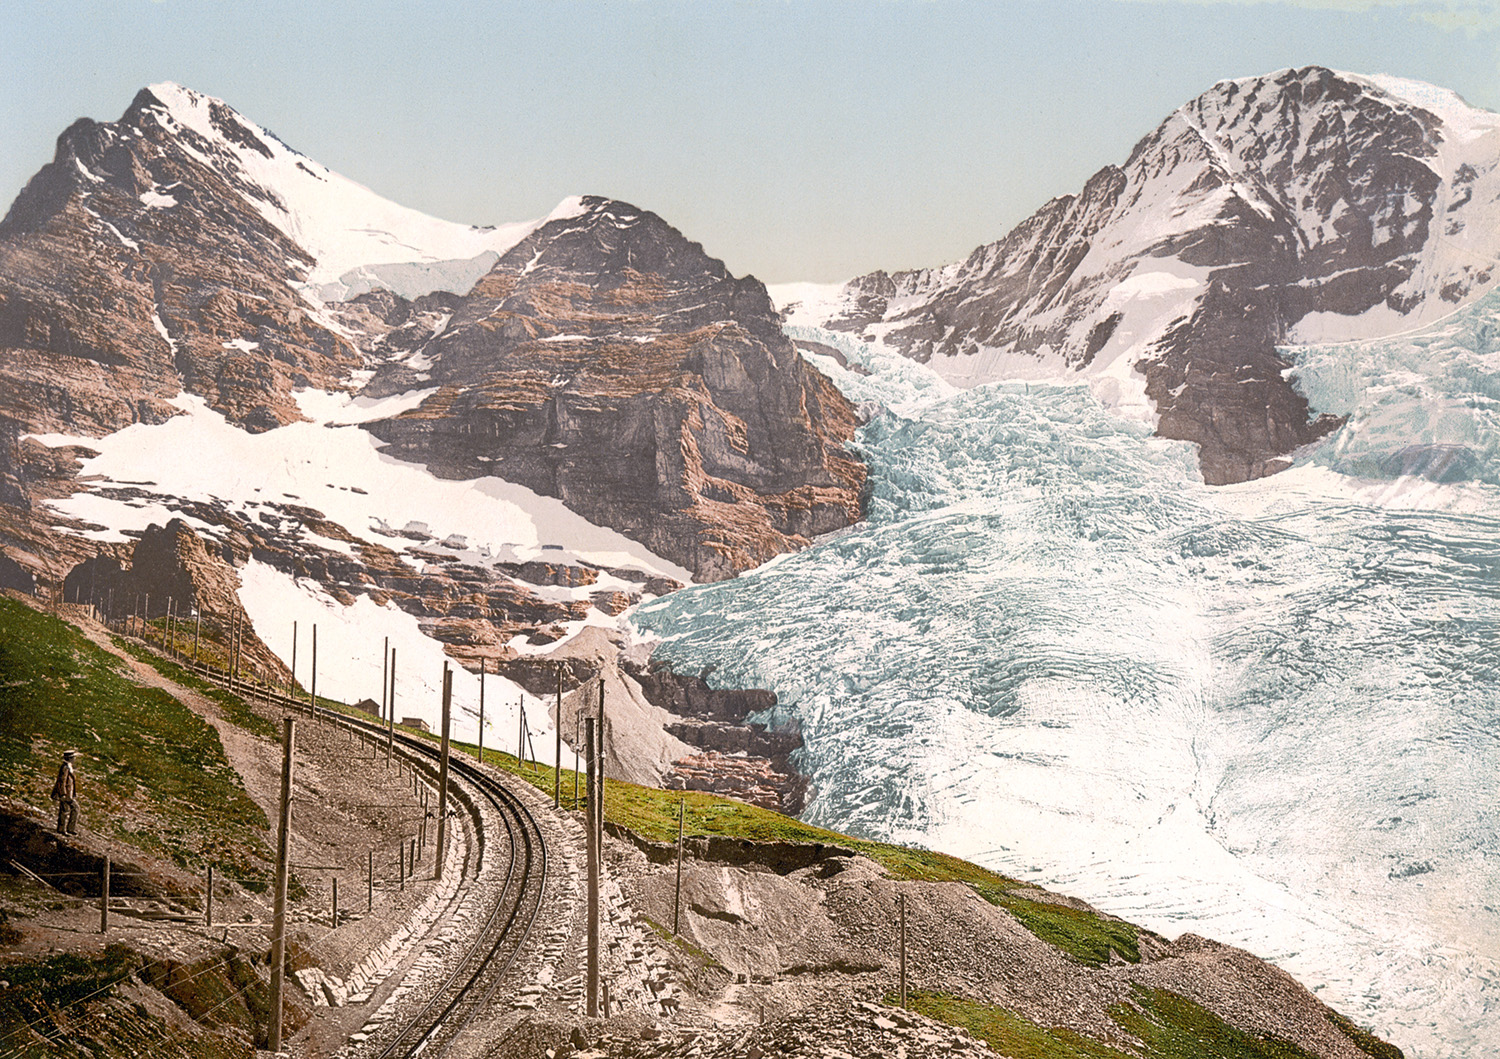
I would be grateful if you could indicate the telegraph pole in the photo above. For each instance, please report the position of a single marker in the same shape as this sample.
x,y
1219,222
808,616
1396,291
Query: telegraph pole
x,y
481,711
599,801
677,901
390,724
901,903
442,798
313,700
278,921
557,773
592,844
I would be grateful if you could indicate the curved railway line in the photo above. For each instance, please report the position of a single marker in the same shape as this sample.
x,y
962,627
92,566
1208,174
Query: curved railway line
x,y
514,894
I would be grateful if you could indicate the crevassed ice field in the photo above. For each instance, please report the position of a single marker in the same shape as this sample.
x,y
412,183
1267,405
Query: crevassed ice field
x,y
1267,713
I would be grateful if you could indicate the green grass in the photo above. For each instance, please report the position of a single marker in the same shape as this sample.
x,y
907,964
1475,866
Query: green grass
x,y
652,814
1364,1040
1005,1031
64,981
151,772
70,1007
234,707
1168,1026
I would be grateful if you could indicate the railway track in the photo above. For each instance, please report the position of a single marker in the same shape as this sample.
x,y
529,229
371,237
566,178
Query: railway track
x,y
505,867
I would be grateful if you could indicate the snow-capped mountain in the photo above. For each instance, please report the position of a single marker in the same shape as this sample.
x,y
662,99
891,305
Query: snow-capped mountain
x,y
184,250
608,361
1306,205
234,382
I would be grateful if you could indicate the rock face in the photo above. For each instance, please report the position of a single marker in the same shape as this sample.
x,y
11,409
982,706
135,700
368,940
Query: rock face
x,y
133,267
171,569
185,253
608,361
1306,205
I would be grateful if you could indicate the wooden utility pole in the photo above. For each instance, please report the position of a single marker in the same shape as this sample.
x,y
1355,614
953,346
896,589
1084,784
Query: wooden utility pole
x,y
313,693
599,806
592,845
577,742
677,901
283,860
390,724
481,710
901,903
442,798
104,897
557,773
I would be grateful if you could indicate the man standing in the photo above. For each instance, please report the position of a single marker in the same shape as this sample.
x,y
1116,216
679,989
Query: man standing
x,y
65,794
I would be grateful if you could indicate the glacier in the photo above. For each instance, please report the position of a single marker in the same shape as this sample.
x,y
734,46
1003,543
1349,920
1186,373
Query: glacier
x,y
1267,713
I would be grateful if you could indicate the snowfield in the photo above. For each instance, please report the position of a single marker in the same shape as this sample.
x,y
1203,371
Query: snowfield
x,y
336,468
359,240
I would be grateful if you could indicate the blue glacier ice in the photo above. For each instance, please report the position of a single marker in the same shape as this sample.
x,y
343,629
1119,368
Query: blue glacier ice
x,y
1267,713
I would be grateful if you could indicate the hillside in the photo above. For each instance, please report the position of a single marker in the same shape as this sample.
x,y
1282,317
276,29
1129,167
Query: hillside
x,y
777,915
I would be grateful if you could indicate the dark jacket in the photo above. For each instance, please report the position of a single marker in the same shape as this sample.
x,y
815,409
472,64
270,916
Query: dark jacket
x,y
66,786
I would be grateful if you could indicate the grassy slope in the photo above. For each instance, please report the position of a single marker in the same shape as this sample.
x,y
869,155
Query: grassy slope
x,y
652,814
152,773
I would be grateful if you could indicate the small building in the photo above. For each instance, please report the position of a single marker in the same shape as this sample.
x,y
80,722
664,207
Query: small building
x,y
415,722
369,706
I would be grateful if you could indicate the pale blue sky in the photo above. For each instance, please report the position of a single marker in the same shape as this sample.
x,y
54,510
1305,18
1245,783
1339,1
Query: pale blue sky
x,y
796,139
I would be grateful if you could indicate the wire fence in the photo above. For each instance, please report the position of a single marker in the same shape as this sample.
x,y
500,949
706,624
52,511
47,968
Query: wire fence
x,y
410,849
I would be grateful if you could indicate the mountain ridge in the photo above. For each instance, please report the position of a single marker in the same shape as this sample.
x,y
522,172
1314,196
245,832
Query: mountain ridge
x,y
1303,205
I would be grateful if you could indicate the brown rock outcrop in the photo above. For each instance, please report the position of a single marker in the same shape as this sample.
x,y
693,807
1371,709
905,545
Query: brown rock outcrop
x,y
608,361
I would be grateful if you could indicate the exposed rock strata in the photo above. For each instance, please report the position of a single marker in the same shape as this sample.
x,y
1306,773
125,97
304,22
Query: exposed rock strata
x,y
745,759
608,361
112,303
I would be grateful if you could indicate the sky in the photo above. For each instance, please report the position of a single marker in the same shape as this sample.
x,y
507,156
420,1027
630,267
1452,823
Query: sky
x,y
798,140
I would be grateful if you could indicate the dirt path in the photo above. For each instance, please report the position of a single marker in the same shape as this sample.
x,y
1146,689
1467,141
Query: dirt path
x,y
257,760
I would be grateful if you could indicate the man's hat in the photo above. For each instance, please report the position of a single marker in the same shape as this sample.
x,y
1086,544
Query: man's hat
x,y
69,755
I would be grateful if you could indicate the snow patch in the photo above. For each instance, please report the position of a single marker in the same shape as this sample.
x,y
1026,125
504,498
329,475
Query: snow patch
x,y
348,229
322,464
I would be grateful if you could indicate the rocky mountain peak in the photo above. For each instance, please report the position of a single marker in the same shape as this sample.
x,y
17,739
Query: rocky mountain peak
x,y
1303,205
609,361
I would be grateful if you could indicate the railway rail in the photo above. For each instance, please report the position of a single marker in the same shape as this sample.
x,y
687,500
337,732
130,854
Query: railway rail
x,y
514,891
